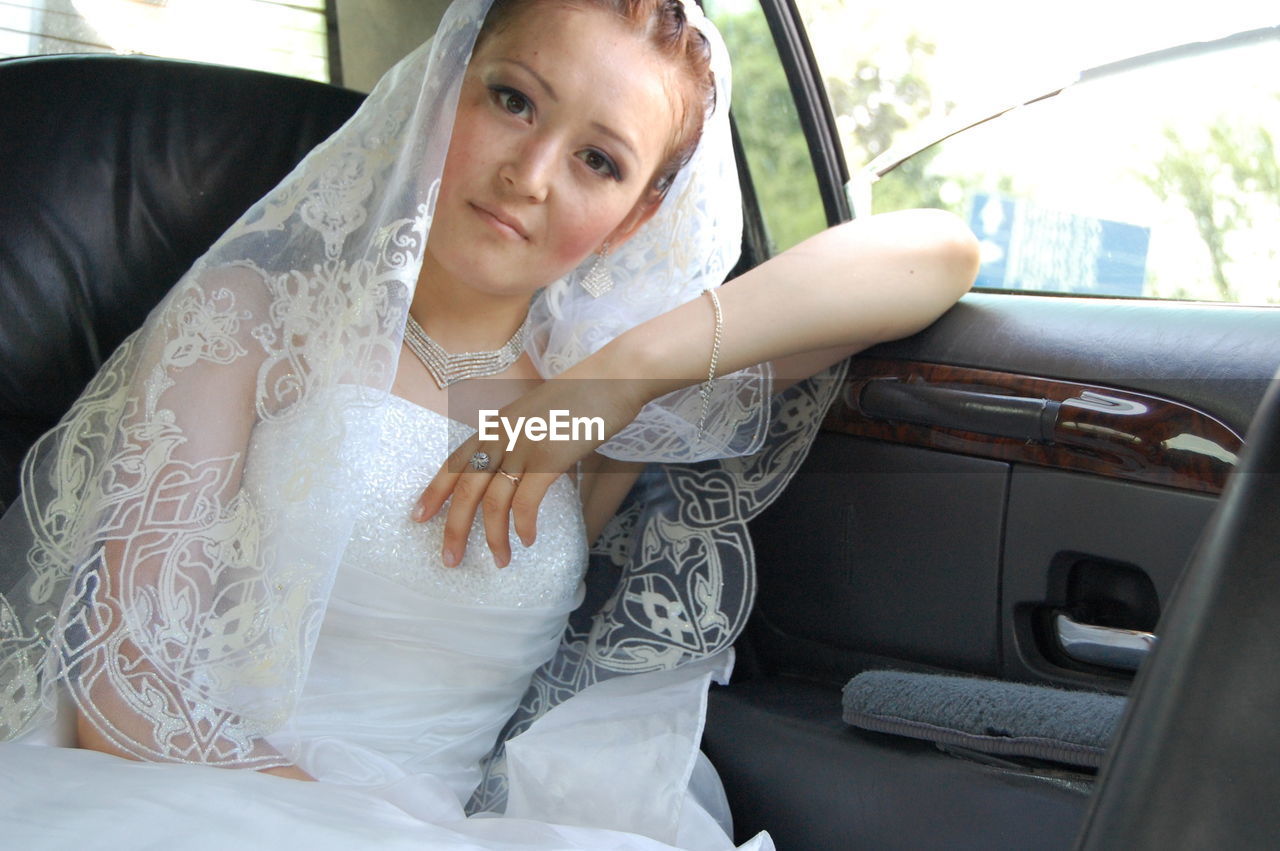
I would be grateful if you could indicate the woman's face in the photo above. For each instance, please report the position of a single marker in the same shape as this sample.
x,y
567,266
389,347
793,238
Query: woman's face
x,y
563,119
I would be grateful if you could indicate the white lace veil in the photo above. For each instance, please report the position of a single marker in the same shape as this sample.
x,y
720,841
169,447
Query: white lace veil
x,y
194,645
174,607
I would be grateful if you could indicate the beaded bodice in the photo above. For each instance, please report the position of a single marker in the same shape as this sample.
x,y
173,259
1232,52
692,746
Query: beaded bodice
x,y
414,443
417,666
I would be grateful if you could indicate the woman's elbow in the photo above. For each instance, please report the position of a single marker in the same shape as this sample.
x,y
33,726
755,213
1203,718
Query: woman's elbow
x,y
927,250
950,252
934,263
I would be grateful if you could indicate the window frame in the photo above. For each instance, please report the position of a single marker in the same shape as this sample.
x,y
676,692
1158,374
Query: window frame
x,y
812,106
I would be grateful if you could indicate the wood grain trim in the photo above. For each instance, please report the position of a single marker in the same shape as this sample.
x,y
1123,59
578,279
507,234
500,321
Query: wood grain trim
x,y
1101,430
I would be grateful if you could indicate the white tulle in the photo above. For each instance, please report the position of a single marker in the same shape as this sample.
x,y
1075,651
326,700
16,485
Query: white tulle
x,y
409,685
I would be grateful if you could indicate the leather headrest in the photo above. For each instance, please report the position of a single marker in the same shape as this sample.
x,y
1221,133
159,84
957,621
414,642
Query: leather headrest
x,y
116,174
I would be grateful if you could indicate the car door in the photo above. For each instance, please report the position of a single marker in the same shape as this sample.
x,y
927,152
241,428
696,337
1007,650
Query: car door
x,y
1012,494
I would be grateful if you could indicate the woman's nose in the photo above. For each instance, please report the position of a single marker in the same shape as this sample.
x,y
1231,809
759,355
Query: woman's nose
x,y
529,170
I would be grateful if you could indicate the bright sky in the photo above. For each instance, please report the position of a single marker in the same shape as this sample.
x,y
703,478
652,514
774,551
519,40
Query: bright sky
x,y
987,49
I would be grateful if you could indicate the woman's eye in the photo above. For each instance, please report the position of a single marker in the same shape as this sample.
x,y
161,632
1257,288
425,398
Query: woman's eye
x,y
512,101
600,164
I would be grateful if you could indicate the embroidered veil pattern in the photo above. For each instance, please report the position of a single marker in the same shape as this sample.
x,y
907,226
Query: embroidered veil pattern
x,y
178,611
194,644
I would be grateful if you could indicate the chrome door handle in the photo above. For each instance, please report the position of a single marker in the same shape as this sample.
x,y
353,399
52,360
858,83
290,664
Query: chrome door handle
x,y
1103,645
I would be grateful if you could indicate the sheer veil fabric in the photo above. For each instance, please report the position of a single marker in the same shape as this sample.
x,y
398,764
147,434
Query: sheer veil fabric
x,y
193,647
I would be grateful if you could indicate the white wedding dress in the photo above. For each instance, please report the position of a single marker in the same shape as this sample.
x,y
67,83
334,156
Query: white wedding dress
x,y
416,670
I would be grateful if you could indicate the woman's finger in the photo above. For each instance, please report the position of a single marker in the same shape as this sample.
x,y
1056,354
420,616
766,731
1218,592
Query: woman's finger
x,y
435,494
526,502
465,500
468,457
462,480
496,506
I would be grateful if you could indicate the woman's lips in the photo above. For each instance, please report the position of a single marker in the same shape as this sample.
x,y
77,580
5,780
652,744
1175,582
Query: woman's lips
x,y
503,223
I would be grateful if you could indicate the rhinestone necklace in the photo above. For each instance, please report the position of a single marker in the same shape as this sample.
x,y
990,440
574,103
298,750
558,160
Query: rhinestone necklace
x,y
449,369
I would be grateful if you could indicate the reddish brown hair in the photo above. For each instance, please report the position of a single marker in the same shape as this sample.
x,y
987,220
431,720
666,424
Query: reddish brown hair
x,y
662,24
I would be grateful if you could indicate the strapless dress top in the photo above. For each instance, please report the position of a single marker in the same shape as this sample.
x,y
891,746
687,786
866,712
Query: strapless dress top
x,y
417,665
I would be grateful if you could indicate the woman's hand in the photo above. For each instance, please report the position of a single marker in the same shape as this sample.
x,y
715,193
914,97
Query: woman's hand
x,y
520,467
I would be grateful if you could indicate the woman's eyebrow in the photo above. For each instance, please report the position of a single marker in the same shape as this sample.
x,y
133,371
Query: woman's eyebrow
x,y
616,136
542,81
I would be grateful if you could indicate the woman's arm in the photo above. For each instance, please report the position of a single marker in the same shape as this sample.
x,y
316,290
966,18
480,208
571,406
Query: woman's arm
x,y
841,291
847,288
605,483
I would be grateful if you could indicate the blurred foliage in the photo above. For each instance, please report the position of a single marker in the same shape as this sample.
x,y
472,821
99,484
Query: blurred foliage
x,y
1224,183
777,154
881,106
1208,191
873,109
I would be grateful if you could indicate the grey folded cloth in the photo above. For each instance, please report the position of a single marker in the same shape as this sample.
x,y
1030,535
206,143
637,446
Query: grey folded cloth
x,y
992,716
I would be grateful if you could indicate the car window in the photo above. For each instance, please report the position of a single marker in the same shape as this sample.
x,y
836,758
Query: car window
x,y
769,126
1154,176
271,35
1159,181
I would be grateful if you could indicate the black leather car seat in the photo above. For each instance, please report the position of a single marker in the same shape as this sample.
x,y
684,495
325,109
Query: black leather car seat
x,y
116,173
1195,762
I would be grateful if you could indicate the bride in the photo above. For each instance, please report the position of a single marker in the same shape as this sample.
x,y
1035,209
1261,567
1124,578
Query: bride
x,y
269,536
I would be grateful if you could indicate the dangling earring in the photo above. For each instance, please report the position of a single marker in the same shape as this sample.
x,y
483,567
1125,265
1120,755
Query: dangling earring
x,y
598,280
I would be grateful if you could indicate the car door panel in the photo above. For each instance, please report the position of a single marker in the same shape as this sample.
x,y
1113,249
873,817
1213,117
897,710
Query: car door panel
x,y
923,543
900,545
1215,357
946,531
917,547
1103,531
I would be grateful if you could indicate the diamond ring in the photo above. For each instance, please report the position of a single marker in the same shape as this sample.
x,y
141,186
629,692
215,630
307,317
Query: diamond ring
x,y
479,461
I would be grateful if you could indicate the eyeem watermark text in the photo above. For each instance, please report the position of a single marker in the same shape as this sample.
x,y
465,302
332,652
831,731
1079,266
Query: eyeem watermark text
x,y
559,426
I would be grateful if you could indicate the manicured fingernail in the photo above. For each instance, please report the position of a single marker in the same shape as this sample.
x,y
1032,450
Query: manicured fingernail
x,y
450,558
419,513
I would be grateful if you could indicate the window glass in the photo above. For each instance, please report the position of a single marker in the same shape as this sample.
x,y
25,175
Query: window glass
x,y
769,126
1155,180
283,36
1158,182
